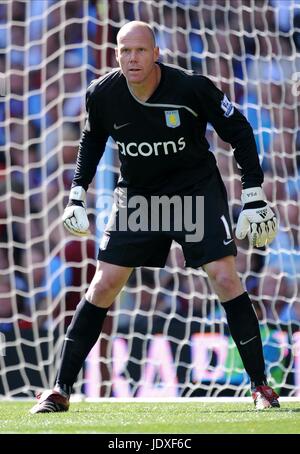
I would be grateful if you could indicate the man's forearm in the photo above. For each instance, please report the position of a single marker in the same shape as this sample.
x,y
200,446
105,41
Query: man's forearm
x,y
89,155
247,158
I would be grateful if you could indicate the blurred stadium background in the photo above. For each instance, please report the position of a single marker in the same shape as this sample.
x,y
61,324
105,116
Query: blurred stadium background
x,y
166,334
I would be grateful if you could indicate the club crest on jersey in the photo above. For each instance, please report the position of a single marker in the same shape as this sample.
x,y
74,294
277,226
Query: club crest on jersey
x,y
172,118
227,107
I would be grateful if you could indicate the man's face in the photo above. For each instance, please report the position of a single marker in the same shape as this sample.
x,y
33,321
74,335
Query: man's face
x,y
136,55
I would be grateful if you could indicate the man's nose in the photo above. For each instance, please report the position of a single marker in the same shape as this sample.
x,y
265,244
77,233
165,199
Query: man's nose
x,y
133,55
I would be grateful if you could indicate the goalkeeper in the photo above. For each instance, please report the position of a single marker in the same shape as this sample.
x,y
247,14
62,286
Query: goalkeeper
x,y
158,115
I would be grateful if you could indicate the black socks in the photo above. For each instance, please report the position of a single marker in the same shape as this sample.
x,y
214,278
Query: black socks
x,y
244,328
81,336
87,323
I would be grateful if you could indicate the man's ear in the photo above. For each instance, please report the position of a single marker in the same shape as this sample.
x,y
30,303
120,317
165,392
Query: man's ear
x,y
116,54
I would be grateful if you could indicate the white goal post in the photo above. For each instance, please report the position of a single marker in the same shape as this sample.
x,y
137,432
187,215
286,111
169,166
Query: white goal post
x,y
166,334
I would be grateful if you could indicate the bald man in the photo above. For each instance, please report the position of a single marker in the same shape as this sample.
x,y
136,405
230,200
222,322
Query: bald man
x,y
157,116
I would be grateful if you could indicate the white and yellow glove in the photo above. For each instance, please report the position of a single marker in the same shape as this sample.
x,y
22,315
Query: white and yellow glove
x,y
257,218
75,216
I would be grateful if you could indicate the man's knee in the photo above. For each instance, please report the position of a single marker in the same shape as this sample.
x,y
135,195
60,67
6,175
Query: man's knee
x,y
223,275
103,287
226,281
106,284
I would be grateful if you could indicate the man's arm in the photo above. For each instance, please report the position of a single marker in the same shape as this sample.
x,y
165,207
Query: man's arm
x,y
233,128
92,144
91,149
256,216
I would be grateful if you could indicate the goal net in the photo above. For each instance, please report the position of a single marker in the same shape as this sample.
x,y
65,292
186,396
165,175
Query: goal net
x,y
166,334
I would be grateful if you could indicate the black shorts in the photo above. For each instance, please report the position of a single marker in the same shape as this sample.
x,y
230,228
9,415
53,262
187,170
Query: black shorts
x,y
151,248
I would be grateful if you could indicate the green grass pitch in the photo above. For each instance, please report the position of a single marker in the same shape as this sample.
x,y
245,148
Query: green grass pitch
x,y
151,418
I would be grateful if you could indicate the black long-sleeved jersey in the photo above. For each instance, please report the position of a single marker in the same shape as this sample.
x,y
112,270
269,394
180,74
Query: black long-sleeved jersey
x,y
161,142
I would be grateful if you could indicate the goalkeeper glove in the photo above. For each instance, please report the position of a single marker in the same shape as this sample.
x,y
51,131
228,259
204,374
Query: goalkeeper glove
x,y
257,218
75,216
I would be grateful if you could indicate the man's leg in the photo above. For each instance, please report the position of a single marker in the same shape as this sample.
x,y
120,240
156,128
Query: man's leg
x,y
243,326
83,333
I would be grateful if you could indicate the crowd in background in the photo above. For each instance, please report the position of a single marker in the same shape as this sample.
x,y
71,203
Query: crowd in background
x,y
50,51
